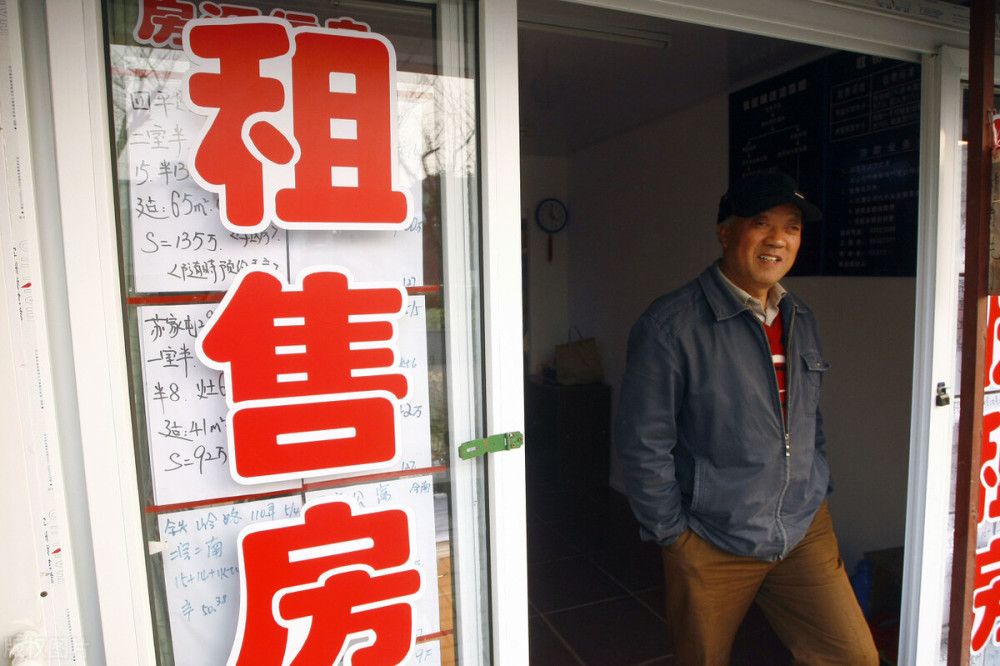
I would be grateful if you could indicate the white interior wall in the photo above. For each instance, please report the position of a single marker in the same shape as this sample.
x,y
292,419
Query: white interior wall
x,y
643,212
867,326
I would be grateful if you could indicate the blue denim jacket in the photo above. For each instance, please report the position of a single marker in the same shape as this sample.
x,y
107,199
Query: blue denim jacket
x,y
699,430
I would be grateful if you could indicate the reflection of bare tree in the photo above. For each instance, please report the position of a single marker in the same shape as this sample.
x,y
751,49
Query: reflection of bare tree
x,y
442,147
450,137
139,75
446,145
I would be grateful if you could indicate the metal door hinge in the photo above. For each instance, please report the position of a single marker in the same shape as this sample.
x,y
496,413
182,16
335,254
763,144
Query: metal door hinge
x,y
491,444
942,399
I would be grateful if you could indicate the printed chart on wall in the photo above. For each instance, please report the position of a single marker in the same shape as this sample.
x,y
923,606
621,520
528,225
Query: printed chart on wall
x,y
847,127
281,206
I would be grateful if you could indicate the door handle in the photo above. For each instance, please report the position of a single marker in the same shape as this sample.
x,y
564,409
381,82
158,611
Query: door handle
x,y
942,399
492,444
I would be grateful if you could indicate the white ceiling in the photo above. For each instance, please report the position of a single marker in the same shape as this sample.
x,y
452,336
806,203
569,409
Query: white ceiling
x,y
576,90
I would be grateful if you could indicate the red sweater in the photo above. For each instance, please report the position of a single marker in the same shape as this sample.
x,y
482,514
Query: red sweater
x,y
774,332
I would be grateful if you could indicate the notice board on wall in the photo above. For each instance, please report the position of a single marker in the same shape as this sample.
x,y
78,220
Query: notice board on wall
x,y
847,128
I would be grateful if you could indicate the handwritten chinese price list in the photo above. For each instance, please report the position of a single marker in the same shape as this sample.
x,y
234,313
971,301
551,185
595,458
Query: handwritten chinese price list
x,y
202,577
185,409
415,409
178,241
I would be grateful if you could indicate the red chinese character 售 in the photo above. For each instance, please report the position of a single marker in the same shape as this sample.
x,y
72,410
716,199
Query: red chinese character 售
x,y
311,374
348,571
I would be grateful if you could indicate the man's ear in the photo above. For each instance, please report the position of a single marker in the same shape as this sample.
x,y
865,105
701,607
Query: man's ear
x,y
722,231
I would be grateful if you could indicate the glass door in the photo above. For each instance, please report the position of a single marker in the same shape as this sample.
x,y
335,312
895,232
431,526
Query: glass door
x,y
313,287
937,381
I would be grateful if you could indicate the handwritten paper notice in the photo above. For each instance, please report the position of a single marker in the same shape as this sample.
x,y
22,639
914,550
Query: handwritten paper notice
x,y
415,408
426,654
201,574
185,409
178,241
416,494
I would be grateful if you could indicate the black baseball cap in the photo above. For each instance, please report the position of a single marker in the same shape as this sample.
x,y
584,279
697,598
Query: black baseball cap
x,y
757,192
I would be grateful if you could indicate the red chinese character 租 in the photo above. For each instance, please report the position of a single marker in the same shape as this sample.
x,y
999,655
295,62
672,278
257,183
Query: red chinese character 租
x,y
345,132
312,147
230,96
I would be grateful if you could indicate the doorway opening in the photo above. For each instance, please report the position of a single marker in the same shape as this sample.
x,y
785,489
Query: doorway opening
x,y
625,120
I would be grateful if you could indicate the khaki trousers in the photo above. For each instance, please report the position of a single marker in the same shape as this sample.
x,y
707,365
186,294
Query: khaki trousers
x,y
806,597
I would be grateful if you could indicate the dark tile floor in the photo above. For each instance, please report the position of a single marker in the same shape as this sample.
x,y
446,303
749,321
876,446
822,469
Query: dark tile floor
x,y
595,590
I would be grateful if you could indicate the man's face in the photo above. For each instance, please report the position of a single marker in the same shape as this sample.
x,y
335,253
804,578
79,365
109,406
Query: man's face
x,y
758,251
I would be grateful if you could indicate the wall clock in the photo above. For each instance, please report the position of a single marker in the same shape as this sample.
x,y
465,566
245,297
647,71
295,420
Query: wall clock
x,y
551,215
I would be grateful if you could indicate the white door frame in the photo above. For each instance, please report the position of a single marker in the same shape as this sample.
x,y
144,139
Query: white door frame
x,y
827,23
930,519
503,330
928,533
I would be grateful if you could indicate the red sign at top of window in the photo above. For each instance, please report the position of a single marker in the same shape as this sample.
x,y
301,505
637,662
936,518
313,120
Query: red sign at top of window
x,y
161,22
301,124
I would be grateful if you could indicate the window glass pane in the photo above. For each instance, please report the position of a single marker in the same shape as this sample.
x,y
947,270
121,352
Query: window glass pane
x,y
179,261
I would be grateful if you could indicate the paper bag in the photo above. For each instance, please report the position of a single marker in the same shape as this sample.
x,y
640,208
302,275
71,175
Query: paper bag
x,y
577,361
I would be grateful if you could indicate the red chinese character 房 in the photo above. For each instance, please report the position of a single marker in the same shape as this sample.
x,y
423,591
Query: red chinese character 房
x,y
311,370
348,571
161,22
314,142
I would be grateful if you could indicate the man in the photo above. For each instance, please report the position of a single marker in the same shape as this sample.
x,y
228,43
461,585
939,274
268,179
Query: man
x,y
721,442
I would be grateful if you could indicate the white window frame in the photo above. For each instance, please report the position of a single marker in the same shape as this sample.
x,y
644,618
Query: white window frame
x,y
930,518
86,206
501,177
